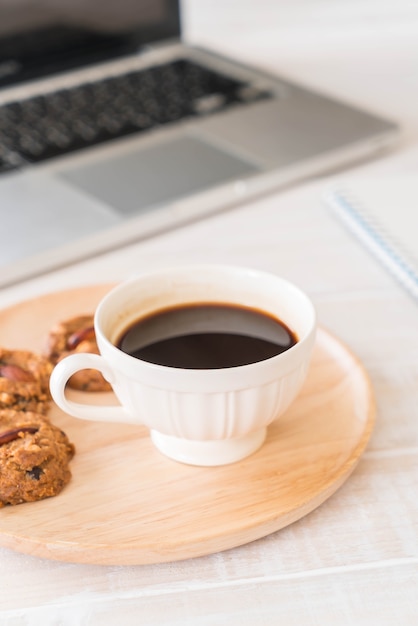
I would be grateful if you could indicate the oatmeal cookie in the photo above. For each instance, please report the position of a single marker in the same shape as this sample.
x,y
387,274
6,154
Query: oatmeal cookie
x,y
24,381
71,336
34,457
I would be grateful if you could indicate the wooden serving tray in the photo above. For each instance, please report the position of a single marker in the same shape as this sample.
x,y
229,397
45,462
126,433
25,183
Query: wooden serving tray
x,y
128,504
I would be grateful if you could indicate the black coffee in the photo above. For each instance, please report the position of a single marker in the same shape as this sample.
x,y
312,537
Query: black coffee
x,y
206,336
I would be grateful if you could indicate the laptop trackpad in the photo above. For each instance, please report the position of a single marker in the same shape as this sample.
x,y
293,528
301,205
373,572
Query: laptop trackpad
x,y
136,181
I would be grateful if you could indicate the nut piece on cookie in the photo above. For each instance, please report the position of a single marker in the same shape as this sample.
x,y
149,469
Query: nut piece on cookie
x,y
34,457
71,336
24,381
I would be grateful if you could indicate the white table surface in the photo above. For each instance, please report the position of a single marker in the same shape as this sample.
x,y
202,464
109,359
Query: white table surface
x,y
354,560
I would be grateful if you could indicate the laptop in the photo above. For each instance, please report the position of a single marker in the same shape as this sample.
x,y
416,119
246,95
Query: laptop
x,y
113,130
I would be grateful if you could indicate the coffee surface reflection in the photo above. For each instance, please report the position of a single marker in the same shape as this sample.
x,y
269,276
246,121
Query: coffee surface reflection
x,y
206,336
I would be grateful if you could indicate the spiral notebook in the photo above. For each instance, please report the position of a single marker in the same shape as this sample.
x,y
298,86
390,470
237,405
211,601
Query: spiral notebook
x,y
383,214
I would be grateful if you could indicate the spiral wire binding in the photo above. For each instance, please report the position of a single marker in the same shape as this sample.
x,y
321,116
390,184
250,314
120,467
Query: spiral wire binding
x,y
372,235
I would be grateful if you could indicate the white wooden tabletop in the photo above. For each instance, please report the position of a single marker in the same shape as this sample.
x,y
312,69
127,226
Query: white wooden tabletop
x,y
354,560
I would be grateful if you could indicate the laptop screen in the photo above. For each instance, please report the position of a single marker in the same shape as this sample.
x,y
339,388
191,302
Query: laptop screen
x,y
40,37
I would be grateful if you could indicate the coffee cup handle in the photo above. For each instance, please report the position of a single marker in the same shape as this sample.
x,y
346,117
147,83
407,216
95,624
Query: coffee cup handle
x,y
62,373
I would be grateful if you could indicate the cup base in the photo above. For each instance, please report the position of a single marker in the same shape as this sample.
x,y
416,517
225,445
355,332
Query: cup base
x,y
208,453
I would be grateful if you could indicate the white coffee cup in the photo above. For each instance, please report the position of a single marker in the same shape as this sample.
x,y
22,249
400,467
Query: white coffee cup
x,y
200,417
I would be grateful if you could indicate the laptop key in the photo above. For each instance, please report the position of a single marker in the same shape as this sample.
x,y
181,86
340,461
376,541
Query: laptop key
x,y
30,146
208,104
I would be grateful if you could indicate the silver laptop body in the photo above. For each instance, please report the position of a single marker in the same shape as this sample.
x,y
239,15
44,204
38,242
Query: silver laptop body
x,y
81,202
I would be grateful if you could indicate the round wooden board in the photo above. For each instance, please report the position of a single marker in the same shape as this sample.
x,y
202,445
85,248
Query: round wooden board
x,y
128,504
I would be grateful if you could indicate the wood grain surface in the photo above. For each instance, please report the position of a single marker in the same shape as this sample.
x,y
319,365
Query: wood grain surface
x,y
128,504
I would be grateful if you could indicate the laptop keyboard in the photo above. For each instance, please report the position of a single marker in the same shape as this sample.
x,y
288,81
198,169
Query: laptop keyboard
x,y
57,123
